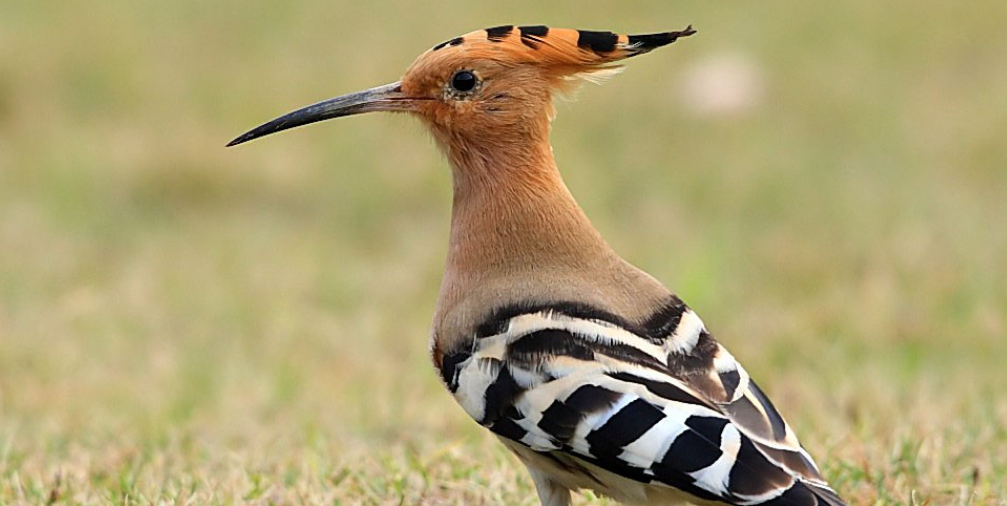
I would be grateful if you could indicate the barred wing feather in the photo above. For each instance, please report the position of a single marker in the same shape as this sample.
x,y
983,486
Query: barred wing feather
x,y
660,403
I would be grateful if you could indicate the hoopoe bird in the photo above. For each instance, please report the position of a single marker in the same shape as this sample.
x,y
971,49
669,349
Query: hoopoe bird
x,y
591,371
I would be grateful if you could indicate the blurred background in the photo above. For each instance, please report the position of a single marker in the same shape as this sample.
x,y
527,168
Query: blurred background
x,y
826,183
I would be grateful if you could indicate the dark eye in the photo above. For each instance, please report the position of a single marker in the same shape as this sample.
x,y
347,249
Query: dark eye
x,y
463,80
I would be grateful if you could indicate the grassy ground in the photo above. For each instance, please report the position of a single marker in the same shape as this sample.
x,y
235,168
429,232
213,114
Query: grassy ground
x,y
182,324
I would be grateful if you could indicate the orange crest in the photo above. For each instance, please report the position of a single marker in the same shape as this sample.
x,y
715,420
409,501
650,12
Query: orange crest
x,y
517,69
556,46
562,52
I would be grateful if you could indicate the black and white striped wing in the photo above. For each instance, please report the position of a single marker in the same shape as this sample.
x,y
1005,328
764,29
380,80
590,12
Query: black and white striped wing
x,y
660,403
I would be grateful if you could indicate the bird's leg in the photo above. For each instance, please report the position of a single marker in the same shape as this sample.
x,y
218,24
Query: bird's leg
x,y
550,493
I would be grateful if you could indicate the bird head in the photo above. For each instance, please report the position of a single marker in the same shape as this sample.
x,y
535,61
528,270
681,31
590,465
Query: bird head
x,y
487,84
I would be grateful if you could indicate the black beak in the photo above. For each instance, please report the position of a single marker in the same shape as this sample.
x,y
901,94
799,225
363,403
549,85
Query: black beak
x,y
383,98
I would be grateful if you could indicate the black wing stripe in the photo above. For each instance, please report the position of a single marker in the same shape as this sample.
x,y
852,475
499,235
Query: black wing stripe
x,y
619,467
660,389
625,426
449,368
590,399
664,321
709,428
668,472
560,419
657,327
697,448
508,428
730,379
499,319
533,348
500,396
753,474
544,344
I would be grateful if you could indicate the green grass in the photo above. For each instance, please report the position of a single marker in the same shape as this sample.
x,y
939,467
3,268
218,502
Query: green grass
x,y
185,324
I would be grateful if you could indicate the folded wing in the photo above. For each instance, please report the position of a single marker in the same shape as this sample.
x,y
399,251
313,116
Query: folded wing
x,y
659,403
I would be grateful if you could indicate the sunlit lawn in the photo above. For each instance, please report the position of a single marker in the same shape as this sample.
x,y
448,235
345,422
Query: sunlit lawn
x,y
183,324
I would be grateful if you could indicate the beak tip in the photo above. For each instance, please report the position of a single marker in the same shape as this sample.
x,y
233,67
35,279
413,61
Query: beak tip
x,y
238,140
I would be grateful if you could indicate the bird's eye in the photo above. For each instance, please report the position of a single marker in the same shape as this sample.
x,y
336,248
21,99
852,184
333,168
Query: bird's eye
x,y
463,81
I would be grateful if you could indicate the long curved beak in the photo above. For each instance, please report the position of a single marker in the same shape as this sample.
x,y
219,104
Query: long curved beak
x,y
383,98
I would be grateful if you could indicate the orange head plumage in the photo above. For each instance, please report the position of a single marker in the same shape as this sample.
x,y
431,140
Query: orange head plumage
x,y
489,84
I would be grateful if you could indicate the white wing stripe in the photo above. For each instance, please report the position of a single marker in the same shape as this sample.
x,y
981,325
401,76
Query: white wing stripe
x,y
686,335
715,477
592,331
649,448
